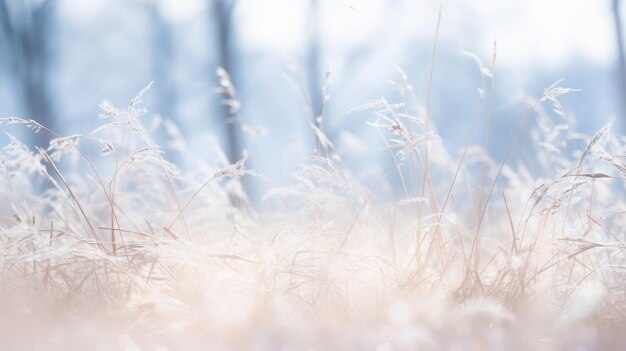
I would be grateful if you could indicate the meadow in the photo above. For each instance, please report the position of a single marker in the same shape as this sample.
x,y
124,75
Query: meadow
x,y
106,244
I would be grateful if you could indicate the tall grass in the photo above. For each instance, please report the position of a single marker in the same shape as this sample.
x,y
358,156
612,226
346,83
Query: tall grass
x,y
105,243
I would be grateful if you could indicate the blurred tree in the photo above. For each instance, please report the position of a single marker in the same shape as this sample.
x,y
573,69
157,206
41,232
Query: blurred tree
x,y
223,12
316,80
307,77
622,58
313,65
25,32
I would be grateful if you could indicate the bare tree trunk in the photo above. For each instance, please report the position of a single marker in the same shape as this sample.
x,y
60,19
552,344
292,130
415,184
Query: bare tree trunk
x,y
622,59
223,10
314,78
26,33
313,70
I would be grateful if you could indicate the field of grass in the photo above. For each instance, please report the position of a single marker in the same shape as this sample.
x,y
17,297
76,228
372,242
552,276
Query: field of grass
x,y
106,245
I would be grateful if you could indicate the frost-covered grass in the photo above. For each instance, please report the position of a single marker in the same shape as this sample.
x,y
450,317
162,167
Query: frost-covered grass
x,y
107,245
